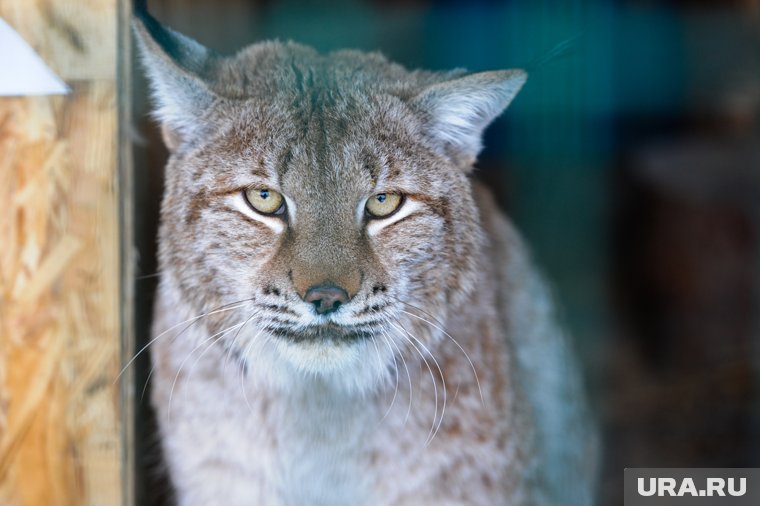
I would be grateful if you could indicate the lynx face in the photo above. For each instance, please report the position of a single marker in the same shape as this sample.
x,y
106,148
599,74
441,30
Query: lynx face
x,y
325,198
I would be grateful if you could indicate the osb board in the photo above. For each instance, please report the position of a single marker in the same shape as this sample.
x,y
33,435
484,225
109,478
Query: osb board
x,y
77,38
59,266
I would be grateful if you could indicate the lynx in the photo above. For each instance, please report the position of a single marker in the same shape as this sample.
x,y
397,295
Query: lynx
x,y
344,316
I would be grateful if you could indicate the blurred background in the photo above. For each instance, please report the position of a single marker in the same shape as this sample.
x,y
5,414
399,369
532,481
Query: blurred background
x,y
630,161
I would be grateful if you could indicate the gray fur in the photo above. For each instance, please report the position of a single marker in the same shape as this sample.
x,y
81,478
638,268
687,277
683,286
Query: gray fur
x,y
288,408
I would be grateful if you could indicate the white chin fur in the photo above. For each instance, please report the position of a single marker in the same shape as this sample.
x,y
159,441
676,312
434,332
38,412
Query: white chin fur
x,y
358,367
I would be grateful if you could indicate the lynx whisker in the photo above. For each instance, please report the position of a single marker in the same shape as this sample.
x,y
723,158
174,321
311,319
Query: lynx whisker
x,y
195,319
243,370
404,334
211,344
380,362
184,361
408,374
440,328
432,376
153,367
443,381
146,383
231,346
141,277
395,369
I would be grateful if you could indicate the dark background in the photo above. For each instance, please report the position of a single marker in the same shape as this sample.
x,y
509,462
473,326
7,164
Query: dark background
x,y
630,161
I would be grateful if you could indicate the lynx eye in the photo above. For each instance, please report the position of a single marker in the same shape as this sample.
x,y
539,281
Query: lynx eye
x,y
265,201
382,205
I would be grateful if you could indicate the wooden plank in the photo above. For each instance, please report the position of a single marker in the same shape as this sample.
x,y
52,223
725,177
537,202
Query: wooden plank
x,y
128,251
60,439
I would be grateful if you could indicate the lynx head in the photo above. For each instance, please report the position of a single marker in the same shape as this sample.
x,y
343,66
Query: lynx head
x,y
328,194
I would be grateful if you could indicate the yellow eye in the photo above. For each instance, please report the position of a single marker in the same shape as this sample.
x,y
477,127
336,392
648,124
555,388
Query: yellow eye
x,y
265,201
381,205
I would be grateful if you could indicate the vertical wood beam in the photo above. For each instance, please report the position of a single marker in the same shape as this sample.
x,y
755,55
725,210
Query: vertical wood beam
x,y
60,430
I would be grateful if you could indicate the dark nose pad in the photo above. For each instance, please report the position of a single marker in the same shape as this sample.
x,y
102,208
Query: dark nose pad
x,y
326,298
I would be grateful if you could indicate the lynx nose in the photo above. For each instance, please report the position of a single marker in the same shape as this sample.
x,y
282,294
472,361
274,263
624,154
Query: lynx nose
x,y
326,298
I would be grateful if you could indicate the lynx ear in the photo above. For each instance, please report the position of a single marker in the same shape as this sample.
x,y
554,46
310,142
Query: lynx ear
x,y
459,110
175,65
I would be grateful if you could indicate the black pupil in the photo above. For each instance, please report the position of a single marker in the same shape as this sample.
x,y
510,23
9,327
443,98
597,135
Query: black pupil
x,y
381,197
264,194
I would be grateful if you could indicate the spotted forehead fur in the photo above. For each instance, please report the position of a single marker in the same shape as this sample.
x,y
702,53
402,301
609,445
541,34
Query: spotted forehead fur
x,y
339,121
293,70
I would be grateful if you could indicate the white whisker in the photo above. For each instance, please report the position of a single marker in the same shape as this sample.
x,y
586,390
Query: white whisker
x,y
443,380
377,352
472,366
179,370
408,374
234,340
190,322
145,385
395,390
246,365
432,376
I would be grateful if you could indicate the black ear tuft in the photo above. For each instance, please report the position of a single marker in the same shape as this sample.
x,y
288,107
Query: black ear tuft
x,y
176,66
